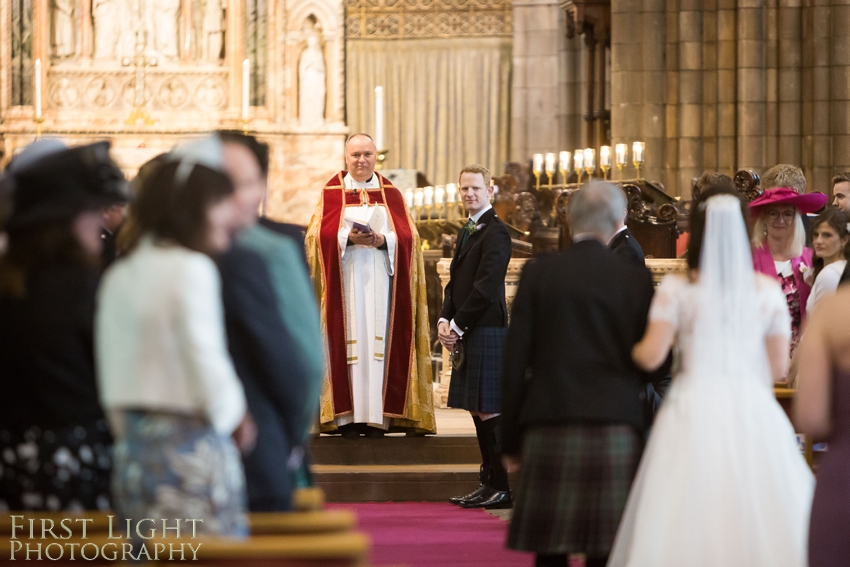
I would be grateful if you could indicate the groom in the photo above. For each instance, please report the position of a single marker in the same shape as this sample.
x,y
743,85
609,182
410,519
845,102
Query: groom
x,y
572,399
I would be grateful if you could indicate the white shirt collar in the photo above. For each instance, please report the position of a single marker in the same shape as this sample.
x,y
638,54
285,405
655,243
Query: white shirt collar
x,y
622,228
477,216
371,183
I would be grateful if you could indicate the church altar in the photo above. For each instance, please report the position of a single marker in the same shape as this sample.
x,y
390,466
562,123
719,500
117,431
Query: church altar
x,y
147,74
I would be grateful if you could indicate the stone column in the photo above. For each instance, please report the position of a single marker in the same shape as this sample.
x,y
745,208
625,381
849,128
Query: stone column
x,y
85,28
726,86
840,82
235,51
751,85
709,92
652,125
671,99
535,103
771,82
626,77
790,82
817,94
569,88
690,93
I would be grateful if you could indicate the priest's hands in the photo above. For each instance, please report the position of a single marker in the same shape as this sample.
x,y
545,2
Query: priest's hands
x,y
447,336
372,239
245,435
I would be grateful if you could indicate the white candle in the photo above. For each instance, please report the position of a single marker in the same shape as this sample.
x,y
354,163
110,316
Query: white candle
x,y
637,152
418,198
246,88
605,156
537,167
429,195
578,159
564,161
451,193
38,89
379,118
408,197
550,163
620,150
439,195
589,158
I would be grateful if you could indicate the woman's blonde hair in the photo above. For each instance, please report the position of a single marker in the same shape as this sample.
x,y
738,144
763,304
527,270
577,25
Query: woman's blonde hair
x,y
798,242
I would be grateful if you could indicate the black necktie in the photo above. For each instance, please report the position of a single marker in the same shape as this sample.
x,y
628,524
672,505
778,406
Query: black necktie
x,y
466,233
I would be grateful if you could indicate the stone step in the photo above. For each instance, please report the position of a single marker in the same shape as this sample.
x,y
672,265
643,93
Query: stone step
x,y
396,483
396,450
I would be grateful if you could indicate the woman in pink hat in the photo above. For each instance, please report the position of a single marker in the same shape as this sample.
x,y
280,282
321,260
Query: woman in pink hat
x,y
779,246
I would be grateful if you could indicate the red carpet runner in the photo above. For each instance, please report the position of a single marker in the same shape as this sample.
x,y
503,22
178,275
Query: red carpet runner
x,y
434,534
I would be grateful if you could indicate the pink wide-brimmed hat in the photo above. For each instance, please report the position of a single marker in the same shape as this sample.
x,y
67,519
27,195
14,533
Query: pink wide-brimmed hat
x,y
805,203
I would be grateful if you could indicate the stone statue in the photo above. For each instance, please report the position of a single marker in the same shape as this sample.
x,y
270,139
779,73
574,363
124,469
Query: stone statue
x,y
311,83
64,36
162,24
213,31
107,25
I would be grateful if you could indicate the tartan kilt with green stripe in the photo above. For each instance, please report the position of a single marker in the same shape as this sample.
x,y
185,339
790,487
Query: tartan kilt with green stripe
x,y
478,387
574,483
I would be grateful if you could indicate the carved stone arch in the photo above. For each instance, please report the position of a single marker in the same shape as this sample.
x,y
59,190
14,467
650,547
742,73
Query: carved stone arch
x,y
321,13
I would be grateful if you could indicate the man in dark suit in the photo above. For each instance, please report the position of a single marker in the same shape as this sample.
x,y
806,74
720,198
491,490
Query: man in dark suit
x,y
293,231
263,349
474,321
626,246
572,397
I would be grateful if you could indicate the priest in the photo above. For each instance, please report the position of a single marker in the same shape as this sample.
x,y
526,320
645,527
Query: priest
x,y
364,255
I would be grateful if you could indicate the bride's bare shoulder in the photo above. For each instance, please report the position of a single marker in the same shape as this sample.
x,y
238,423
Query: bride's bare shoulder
x,y
765,282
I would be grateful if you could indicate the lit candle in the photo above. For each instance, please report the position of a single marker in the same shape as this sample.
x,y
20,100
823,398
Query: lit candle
x,y
429,196
637,152
408,197
38,89
578,160
418,197
451,193
550,163
564,160
379,118
246,87
439,195
605,156
537,166
620,150
589,158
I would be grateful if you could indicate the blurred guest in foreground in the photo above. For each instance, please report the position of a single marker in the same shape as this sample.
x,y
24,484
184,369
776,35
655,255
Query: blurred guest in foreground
x,y
174,401
572,398
779,246
54,438
822,412
272,333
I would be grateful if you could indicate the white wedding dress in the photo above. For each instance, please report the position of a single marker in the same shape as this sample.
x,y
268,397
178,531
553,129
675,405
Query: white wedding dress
x,y
721,482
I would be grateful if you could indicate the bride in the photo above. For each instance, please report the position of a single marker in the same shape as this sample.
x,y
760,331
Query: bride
x,y
721,482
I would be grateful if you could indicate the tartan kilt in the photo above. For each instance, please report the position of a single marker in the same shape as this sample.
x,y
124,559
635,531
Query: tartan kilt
x,y
574,483
478,387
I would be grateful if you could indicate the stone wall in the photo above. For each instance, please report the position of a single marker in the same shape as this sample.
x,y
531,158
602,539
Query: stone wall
x,y
730,84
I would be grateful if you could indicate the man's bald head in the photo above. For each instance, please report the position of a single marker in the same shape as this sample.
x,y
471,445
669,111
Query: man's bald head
x,y
361,155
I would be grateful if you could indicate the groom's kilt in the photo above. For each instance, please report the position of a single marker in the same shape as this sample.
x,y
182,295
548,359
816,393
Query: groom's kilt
x,y
574,483
478,387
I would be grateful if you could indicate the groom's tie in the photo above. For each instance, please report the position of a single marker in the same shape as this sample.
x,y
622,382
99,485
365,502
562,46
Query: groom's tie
x,y
466,232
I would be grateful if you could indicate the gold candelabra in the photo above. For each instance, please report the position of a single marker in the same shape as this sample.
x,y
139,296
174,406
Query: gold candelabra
x,y
382,155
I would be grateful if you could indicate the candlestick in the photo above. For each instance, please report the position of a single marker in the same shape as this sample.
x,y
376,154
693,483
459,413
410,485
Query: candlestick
x,y
408,198
605,160
451,193
620,151
537,168
578,163
638,155
38,89
439,195
550,163
589,161
379,118
564,165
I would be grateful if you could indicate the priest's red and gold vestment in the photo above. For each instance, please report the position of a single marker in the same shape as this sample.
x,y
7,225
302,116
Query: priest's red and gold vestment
x,y
399,352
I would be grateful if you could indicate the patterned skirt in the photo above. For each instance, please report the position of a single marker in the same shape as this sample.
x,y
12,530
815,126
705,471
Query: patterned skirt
x,y
478,387
176,466
574,483
56,469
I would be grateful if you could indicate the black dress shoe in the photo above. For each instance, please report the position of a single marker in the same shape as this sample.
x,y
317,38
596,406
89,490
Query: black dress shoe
x,y
474,495
493,500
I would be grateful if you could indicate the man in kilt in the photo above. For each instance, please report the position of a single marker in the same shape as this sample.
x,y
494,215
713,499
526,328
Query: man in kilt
x,y
572,397
473,325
